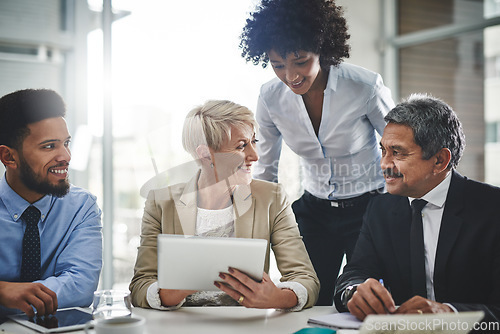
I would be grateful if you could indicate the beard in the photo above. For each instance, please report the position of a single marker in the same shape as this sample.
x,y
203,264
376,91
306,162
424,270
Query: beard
x,y
36,183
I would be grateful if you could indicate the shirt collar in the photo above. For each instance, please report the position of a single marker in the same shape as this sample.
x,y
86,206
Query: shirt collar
x,y
16,205
333,78
437,195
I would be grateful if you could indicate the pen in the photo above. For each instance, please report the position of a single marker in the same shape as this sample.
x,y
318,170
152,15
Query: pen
x,y
381,281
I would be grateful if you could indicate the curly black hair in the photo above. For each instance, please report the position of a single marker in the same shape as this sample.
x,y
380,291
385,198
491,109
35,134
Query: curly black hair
x,y
291,25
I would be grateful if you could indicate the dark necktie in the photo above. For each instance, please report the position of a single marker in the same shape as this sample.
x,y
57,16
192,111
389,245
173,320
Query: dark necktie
x,y
417,250
30,267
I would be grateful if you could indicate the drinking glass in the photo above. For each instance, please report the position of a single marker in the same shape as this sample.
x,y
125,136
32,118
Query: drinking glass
x,y
111,304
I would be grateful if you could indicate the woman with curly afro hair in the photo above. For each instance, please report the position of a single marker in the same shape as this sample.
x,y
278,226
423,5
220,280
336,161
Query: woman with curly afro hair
x,y
327,112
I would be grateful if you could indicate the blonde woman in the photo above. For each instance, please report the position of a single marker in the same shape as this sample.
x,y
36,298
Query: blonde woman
x,y
222,200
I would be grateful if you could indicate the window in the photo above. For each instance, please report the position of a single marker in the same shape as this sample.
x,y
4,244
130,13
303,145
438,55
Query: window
x,y
450,49
167,59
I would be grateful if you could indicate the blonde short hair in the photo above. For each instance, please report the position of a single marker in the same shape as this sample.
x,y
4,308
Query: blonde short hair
x,y
210,124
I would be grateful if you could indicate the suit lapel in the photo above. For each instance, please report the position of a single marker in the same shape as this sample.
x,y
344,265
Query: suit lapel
x,y
449,231
400,232
186,207
244,206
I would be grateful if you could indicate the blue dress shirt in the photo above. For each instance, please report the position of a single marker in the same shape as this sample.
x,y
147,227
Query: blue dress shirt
x,y
70,239
343,160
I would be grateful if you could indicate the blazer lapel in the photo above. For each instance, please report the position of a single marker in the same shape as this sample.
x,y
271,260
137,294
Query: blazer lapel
x,y
244,206
186,207
449,231
400,232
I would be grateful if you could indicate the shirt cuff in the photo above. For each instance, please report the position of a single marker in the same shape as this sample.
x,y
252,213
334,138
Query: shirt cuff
x,y
299,290
452,307
154,301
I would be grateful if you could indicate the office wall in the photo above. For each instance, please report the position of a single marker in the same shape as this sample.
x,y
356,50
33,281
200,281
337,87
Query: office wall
x,y
43,44
363,20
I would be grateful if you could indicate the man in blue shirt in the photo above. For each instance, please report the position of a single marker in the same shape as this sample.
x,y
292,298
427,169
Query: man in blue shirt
x,y
51,240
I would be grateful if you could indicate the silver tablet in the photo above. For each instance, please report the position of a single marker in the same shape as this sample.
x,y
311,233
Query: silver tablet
x,y
65,320
194,263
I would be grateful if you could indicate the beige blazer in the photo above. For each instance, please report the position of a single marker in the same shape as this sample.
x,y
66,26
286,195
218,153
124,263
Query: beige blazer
x,y
261,212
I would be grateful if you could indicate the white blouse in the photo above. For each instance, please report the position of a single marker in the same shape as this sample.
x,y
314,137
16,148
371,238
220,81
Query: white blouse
x,y
215,223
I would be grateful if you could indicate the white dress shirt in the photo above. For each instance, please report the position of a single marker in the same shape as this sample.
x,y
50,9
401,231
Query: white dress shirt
x,y
432,215
343,160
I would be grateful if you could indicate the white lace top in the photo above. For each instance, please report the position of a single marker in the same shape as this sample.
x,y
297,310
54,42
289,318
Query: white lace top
x,y
215,223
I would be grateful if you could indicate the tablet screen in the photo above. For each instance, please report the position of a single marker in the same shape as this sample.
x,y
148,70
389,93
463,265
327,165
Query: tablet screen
x,y
63,319
179,269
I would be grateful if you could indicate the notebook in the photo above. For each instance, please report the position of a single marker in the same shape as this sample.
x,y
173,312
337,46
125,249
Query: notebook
x,y
194,263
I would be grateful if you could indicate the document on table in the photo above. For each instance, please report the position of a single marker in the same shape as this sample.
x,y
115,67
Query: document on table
x,y
336,320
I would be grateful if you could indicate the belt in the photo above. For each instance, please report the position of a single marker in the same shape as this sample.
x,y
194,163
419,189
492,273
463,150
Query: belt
x,y
347,202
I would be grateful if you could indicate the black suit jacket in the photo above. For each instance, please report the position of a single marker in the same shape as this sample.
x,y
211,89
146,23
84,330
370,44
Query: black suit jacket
x,y
467,266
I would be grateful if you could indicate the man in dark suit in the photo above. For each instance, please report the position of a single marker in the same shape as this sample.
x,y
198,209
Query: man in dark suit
x,y
444,258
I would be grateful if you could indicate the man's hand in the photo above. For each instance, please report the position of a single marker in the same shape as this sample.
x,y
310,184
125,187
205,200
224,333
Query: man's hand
x,y
420,305
371,297
24,296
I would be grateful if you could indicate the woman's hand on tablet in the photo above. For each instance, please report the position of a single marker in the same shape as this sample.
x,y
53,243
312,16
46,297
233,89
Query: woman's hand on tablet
x,y
250,293
170,297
